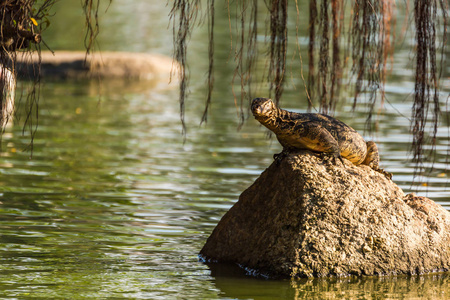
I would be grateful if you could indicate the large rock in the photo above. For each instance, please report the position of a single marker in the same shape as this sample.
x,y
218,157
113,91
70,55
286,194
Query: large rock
x,y
76,65
306,217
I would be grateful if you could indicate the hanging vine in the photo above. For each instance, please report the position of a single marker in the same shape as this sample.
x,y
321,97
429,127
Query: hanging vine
x,y
426,89
210,16
183,16
371,46
336,71
371,36
311,51
278,47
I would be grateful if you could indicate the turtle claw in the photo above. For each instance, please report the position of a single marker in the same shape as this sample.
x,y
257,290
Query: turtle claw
x,y
340,159
279,157
385,173
332,157
380,170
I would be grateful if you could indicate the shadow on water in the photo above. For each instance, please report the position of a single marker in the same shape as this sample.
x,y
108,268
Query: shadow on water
x,y
234,282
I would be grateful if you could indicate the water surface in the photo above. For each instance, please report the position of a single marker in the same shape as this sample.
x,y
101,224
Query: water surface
x,y
112,203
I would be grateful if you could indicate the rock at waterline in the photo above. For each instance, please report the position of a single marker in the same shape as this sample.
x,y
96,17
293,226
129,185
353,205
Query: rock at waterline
x,y
306,217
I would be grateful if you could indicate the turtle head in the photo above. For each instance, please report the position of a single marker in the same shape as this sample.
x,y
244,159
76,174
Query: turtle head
x,y
263,107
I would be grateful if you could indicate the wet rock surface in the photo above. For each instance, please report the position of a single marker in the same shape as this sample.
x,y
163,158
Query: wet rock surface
x,y
306,217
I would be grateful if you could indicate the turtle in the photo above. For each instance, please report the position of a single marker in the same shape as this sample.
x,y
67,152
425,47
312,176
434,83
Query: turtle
x,y
317,132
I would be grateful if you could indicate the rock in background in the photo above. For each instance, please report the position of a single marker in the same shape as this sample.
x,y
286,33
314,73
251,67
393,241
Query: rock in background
x,y
306,217
78,65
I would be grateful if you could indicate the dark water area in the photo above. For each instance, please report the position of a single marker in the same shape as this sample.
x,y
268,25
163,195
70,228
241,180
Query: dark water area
x,y
112,203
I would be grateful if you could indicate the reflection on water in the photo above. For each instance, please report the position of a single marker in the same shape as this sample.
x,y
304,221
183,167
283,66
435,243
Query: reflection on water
x,y
235,284
113,204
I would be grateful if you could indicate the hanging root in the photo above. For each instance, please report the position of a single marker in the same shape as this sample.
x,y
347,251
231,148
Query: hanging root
x,y
370,37
210,16
311,51
183,16
278,46
324,53
336,72
426,89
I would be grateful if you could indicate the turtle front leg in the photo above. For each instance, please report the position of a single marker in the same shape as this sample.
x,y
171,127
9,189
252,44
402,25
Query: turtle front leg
x,y
373,159
280,156
332,157
319,139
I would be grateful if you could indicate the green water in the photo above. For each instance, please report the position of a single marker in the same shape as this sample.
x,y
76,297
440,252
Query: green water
x,y
113,204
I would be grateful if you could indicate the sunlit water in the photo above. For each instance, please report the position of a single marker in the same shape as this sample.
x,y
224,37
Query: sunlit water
x,y
112,203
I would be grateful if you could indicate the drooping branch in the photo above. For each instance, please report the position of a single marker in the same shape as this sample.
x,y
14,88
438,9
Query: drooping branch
x,y
336,72
183,16
371,34
311,51
22,25
324,53
91,8
326,22
278,47
210,76
19,24
252,47
239,70
387,33
246,53
426,93
371,28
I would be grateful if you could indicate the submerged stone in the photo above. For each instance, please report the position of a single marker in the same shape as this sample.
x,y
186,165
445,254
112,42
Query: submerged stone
x,y
306,217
